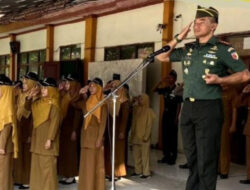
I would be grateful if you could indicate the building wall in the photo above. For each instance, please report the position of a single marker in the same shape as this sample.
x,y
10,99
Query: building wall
x,y
69,34
134,26
5,46
32,41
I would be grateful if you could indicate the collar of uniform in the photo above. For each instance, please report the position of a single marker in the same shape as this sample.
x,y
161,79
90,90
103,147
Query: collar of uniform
x,y
212,41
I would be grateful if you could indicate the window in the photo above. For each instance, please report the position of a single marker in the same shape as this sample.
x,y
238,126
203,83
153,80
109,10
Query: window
x,y
31,62
5,64
129,51
71,52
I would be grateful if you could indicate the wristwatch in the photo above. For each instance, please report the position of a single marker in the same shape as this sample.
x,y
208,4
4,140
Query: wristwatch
x,y
177,39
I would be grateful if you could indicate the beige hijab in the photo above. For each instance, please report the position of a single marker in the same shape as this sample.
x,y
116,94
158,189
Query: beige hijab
x,y
92,101
21,111
41,108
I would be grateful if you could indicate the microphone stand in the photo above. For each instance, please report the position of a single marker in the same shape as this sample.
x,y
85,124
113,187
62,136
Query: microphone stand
x,y
112,94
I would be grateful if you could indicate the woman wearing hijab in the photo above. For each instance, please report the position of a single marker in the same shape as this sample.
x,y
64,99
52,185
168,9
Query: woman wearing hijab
x,y
92,172
24,128
8,133
122,114
68,163
45,137
143,117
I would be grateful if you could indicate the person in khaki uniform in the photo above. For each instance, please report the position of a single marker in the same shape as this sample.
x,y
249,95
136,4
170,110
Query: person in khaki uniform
x,y
92,171
121,125
24,127
71,121
8,133
229,95
142,121
45,137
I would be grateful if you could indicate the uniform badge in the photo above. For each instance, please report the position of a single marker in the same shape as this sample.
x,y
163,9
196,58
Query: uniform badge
x,y
211,63
215,48
212,52
186,71
207,71
211,56
205,61
235,56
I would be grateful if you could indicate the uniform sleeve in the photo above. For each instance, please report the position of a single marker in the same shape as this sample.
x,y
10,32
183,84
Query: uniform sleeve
x,y
103,122
149,126
54,123
77,119
177,55
230,59
4,135
132,135
124,117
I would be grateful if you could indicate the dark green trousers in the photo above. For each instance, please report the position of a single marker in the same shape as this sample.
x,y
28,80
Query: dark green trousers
x,y
201,123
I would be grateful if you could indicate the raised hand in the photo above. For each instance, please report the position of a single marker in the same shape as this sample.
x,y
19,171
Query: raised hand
x,y
185,31
84,90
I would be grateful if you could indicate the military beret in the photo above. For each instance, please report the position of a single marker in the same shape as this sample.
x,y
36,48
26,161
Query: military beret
x,y
207,12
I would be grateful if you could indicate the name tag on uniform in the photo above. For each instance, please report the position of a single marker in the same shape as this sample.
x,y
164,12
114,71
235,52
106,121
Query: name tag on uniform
x,y
211,56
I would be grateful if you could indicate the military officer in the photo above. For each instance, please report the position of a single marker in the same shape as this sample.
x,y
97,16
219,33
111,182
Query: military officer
x,y
204,62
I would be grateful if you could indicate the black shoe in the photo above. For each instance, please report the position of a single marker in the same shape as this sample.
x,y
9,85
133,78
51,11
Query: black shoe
x,y
223,176
69,183
171,163
135,175
246,181
23,187
163,161
145,176
183,166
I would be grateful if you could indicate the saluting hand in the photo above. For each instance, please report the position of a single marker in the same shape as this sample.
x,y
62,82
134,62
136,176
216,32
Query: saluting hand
x,y
48,144
185,31
84,90
33,92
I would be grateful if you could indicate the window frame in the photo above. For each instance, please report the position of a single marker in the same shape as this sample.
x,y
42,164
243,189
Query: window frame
x,y
6,64
72,46
119,48
27,63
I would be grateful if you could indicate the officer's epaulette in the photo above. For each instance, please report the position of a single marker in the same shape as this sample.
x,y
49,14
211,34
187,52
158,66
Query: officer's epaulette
x,y
224,43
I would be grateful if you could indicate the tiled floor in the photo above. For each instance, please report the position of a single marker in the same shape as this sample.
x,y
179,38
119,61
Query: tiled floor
x,y
171,177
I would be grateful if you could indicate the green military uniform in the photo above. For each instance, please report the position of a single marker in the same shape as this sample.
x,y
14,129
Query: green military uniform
x,y
202,113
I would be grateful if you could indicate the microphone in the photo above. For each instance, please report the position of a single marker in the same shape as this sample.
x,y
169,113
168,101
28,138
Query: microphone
x,y
162,50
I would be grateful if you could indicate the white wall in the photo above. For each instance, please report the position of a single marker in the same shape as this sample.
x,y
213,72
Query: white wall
x,y
32,41
134,26
5,46
69,34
